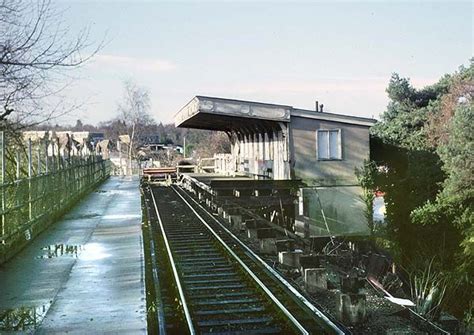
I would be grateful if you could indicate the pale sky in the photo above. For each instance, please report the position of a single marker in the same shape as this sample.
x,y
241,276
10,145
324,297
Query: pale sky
x,y
293,53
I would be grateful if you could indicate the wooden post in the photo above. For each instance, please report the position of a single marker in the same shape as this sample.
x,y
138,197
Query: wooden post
x,y
30,208
2,176
17,175
245,147
30,163
59,153
254,151
18,164
261,146
120,156
59,173
267,147
184,147
53,160
47,157
276,156
38,171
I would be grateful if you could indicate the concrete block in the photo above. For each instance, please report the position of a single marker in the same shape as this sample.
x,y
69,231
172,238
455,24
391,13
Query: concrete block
x,y
251,224
268,246
315,279
302,228
285,245
252,233
310,261
235,221
266,233
290,258
351,308
352,284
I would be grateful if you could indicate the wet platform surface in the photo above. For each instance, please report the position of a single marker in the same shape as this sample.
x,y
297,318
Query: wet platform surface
x,y
83,275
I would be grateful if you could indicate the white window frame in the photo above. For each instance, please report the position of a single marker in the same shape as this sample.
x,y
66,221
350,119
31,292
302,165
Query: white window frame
x,y
339,144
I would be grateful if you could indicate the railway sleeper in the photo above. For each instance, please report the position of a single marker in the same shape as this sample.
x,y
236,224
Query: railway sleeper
x,y
186,240
185,257
212,274
209,268
267,330
192,250
213,302
235,322
254,309
223,295
201,259
234,279
217,288
194,246
189,267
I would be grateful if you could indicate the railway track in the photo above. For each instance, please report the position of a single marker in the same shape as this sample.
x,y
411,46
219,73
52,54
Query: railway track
x,y
220,285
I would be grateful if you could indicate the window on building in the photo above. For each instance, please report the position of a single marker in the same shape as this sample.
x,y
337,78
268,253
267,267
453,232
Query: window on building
x,y
329,144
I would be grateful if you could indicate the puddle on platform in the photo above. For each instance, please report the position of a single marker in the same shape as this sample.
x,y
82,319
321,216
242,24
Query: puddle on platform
x,y
22,318
94,252
59,250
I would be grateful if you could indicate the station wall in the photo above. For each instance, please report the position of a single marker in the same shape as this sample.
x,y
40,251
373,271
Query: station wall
x,y
307,166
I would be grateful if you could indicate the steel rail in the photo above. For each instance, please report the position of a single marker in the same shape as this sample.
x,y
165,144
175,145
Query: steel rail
x,y
293,290
159,311
175,271
249,271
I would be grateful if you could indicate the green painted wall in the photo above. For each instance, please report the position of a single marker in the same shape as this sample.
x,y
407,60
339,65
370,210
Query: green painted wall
x,y
343,208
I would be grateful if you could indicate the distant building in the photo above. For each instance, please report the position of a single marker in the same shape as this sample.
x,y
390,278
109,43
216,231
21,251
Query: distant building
x,y
148,139
282,142
71,143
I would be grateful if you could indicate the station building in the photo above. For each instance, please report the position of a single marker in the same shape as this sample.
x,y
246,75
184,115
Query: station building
x,y
274,142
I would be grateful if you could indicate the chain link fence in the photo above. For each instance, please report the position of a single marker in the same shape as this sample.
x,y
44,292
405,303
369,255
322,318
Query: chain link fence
x,y
39,182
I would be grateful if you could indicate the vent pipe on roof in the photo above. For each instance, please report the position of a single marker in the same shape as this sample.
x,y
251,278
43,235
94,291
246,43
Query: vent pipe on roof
x,y
316,107
322,106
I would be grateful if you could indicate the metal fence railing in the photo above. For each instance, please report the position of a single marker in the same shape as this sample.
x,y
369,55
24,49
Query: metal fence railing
x,y
37,187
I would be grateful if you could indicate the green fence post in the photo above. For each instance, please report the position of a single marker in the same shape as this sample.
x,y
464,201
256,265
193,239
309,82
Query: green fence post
x,y
30,174
46,157
2,176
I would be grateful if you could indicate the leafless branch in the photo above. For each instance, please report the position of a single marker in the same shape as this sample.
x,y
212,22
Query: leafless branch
x,y
35,50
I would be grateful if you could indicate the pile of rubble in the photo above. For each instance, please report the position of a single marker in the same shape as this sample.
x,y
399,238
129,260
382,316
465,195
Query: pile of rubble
x,y
347,278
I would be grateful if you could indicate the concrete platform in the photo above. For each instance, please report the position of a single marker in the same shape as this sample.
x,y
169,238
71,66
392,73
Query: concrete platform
x,y
85,274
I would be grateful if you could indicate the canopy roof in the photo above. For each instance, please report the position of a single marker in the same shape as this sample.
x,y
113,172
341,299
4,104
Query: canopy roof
x,y
229,114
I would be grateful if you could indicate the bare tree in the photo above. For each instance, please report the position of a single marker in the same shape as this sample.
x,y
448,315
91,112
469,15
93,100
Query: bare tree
x,y
134,111
215,143
35,49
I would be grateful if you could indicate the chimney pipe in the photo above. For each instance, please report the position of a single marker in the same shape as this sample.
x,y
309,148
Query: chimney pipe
x,y
316,106
322,106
